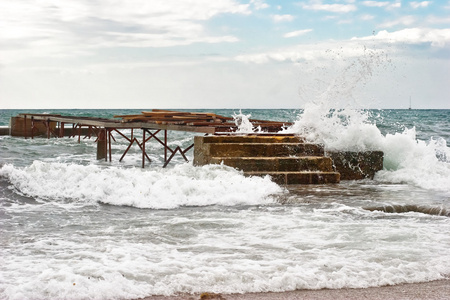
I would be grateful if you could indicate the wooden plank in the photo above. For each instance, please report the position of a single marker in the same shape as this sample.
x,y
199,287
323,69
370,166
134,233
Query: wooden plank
x,y
49,115
224,118
192,117
168,119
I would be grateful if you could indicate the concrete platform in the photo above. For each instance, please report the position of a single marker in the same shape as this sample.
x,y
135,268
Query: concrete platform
x,y
274,164
303,177
262,149
286,159
357,165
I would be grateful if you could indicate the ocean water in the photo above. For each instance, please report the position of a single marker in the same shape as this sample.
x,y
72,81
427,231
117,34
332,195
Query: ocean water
x,y
72,227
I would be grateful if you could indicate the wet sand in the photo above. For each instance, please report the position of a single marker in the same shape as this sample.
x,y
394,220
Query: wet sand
x,y
428,290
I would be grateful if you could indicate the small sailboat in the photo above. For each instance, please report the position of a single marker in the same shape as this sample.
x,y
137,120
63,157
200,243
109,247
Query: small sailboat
x,y
409,103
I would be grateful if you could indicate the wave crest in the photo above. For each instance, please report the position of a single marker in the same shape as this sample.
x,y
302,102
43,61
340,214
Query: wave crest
x,y
183,185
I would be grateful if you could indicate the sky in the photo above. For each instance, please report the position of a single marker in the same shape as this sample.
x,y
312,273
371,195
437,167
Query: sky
x,y
224,54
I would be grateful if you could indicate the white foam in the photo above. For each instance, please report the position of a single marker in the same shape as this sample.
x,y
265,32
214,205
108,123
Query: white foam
x,y
333,116
183,185
406,160
257,250
338,129
243,123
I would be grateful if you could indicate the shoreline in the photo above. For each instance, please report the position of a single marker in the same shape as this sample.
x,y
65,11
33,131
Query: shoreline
x,y
433,290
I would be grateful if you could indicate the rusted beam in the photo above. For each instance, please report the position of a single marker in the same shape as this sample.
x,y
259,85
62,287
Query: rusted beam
x,y
61,129
143,148
165,148
182,152
25,126
109,140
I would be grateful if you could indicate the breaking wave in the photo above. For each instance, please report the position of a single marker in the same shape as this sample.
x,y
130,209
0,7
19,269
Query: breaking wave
x,y
183,185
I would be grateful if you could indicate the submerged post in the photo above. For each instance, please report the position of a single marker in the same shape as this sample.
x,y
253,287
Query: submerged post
x,y
101,145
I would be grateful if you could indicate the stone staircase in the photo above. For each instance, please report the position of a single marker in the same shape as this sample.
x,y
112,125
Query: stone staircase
x,y
287,159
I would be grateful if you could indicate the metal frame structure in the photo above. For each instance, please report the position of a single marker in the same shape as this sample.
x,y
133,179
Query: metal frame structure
x,y
103,130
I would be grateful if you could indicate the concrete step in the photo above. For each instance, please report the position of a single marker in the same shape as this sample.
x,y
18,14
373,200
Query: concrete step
x,y
306,177
263,149
239,139
273,164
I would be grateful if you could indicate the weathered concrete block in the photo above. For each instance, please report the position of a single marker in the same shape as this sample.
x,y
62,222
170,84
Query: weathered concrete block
x,y
262,149
357,165
312,177
201,158
308,163
206,147
272,164
306,177
287,159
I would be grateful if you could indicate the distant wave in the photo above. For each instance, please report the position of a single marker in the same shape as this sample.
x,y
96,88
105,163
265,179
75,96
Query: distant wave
x,y
429,210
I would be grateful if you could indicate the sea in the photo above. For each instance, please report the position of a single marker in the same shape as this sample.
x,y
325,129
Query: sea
x,y
73,227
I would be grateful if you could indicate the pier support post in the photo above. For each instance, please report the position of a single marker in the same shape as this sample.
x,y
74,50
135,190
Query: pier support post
x,y
102,145
61,129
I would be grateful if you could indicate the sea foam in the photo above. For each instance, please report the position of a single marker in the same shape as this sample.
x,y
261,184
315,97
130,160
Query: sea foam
x,y
233,251
425,164
183,185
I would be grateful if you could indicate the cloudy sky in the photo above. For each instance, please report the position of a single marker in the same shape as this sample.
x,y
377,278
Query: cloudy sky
x,y
224,53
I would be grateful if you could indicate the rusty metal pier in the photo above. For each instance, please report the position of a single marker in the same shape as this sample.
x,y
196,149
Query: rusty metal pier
x,y
152,123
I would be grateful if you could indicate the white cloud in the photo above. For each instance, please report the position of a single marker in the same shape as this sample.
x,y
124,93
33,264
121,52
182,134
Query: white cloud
x,y
382,4
376,3
259,4
297,33
396,5
320,52
405,21
48,27
435,37
437,20
415,4
336,8
282,18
